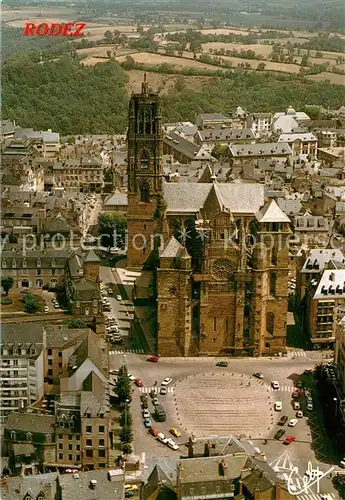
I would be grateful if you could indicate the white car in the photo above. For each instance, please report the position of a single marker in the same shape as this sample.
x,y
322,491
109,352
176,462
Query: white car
x,y
161,438
146,414
310,407
299,414
46,309
166,381
296,405
275,385
293,422
307,394
132,377
278,406
118,297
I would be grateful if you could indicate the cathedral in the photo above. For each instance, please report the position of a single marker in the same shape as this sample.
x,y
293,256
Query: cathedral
x,y
216,253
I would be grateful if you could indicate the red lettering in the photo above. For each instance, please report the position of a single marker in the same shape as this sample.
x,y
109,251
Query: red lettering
x,y
67,29
78,30
52,31
28,30
45,29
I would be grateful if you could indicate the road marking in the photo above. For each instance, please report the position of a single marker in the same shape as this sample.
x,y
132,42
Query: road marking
x,y
146,390
283,388
298,353
127,351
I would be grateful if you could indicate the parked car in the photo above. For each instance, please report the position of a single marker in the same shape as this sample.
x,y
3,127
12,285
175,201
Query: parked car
x,y
147,422
310,406
110,291
155,402
145,404
289,439
279,434
114,372
138,382
296,405
153,393
161,438
299,414
283,420
166,381
278,406
146,414
163,390
222,363
342,463
143,397
172,444
153,359
296,393
46,309
131,487
275,385
300,384
175,432
293,422
129,494
154,431
258,375
118,297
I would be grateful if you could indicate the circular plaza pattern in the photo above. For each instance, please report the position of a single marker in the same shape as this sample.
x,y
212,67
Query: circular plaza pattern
x,y
224,403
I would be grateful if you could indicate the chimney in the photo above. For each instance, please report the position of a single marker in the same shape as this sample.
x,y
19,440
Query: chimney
x,y
332,277
256,494
207,449
93,484
240,487
223,468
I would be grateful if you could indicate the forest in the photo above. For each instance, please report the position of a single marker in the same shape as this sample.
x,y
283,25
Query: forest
x,y
73,99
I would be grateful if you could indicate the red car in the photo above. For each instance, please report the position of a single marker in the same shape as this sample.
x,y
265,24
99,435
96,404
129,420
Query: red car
x,y
154,359
154,431
289,439
138,382
296,393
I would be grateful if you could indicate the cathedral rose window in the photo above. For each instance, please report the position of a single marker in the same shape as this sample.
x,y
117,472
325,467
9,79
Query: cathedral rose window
x,y
222,269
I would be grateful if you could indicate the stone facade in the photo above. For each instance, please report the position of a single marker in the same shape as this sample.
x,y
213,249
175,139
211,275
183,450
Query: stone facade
x,y
214,292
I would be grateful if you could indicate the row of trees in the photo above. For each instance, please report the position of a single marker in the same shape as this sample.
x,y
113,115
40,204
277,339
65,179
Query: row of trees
x,y
112,228
124,393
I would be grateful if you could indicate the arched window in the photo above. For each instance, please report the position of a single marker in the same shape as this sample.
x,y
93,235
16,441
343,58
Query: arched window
x,y
270,323
144,159
145,193
40,496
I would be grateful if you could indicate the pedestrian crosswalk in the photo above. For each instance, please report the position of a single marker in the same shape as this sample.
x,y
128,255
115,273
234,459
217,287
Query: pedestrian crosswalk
x,y
127,351
146,390
283,388
301,354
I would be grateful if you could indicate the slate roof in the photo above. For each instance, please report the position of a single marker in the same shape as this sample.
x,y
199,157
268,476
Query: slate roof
x,y
271,213
60,336
76,486
290,207
188,148
263,149
203,469
285,123
331,285
186,197
172,249
88,349
116,199
7,127
30,422
225,134
15,488
48,260
311,223
22,332
85,289
158,479
241,198
318,259
91,257
307,137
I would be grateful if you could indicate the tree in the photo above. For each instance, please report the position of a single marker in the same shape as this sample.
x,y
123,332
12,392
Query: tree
x,y
304,61
261,66
126,435
123,385
219,150
30,303
6,282
108,36
126,448
76,323
112,229
125,419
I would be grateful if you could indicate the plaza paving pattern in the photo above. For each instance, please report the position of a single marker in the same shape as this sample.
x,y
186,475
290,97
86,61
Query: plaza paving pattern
x,y
224,403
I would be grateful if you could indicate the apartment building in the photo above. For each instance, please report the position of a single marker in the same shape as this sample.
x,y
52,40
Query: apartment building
x,y
240,153
208,138
259,123
21,366
212,120
84,174
311,265
302,145
321,305
46,144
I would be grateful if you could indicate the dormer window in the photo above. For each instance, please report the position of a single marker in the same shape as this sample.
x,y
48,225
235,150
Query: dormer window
x,y
29,436
38,263
40,496
23,352
53,263
24,263
13,435
3,263
28,497
14,264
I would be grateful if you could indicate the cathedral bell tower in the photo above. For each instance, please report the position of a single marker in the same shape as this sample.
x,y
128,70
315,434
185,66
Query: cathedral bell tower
x,y
145,175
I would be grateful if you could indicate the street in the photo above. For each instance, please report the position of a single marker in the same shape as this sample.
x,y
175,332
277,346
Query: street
x,y
207,400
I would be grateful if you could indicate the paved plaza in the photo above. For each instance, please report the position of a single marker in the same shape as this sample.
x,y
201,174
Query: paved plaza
x,y
224,403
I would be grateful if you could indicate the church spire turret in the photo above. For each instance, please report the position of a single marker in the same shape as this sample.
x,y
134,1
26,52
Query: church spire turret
x,y
145,86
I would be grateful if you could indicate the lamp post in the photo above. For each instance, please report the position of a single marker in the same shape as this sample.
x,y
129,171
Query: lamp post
x,y
336,406
126,403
